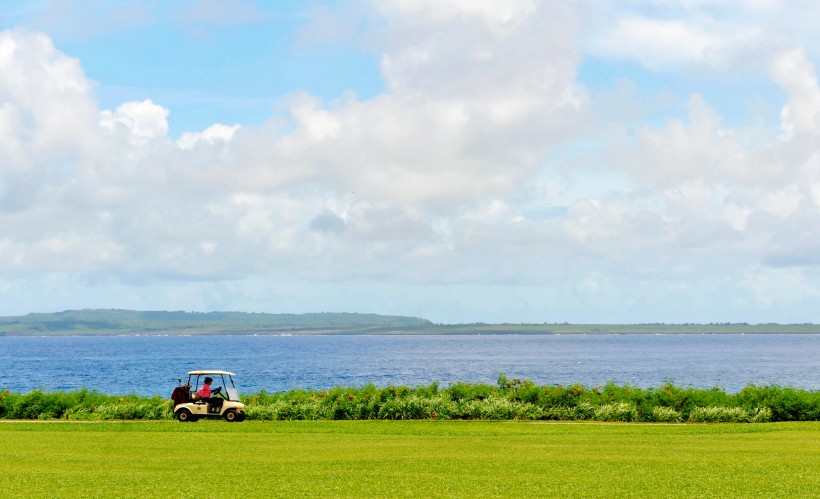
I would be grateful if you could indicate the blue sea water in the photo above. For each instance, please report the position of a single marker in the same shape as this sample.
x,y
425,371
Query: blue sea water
x,y
151,365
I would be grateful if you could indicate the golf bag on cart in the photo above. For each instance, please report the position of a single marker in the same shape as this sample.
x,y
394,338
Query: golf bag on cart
x,y
181,394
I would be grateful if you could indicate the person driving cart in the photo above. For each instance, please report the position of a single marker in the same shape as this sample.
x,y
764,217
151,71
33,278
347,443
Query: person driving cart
x,y
205,394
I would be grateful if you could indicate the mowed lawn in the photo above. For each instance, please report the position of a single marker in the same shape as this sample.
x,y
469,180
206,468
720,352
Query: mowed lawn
x,y
407,459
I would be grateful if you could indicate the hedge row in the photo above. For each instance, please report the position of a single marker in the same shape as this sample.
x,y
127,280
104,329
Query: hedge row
x,y
509,399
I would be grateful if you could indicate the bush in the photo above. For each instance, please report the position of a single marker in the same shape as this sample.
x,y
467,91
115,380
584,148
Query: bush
x,y
415,407
497,408
276,410
719,414
761,415
559,413
620,411
786,404
511,399
585,410
465,391
662,414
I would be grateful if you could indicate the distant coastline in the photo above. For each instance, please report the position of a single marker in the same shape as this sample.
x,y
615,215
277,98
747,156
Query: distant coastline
x,y
130,322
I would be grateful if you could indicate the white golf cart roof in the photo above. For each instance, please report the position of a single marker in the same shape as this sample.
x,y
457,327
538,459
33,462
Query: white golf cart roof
x,y
211,372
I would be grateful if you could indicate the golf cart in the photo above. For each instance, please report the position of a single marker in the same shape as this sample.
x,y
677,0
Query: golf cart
x,y
224,398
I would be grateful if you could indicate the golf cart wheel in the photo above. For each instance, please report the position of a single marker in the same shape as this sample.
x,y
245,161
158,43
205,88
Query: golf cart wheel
x,y
231,416
184,416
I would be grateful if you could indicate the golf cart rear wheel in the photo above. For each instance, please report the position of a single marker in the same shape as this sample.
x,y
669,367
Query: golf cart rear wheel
x,y
184,416
231,416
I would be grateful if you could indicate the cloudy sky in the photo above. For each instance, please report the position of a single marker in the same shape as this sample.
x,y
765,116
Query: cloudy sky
x,y
458,160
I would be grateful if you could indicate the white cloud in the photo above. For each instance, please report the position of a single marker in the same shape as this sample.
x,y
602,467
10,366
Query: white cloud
x,y
484,165
40,86
726,39
500,16
317,123
763,5
656,43
685,151
142,121
777,288
796,74
212,135
782,203
46,117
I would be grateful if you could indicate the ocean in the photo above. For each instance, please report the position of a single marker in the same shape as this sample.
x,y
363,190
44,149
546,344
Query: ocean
x,y
151,365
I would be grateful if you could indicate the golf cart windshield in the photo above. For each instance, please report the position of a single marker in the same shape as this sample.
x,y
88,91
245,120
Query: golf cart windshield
x,y
233,393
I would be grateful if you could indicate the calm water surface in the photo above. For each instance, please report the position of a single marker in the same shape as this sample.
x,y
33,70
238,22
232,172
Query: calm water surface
x,y
150,365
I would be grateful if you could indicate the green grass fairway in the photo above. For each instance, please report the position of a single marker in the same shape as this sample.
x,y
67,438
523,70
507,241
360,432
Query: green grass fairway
x,y
400,459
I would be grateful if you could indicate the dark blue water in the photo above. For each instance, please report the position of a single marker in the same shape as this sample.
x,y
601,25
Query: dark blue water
x,y
150,365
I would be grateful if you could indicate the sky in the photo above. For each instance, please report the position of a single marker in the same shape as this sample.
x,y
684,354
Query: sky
x,y
537,161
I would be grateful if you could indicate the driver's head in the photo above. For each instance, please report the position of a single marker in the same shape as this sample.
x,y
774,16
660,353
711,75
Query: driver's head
x,y
209,380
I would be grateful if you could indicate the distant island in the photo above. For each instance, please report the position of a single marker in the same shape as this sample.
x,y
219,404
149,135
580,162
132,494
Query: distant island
x,y
131,322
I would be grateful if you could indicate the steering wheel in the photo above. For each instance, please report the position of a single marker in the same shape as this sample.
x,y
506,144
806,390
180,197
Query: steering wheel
x,y
218,391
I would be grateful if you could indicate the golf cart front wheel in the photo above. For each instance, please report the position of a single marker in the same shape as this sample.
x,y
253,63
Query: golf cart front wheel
x,y
231,416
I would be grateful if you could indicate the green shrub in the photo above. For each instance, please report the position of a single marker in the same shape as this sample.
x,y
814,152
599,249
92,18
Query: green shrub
x,y
497,408
410,408
662,414
761,415
271,411
129,408
311,410
511,399
551,396
619,411
559,413
720,414
786,404
585,410
415,407
430,390
466,391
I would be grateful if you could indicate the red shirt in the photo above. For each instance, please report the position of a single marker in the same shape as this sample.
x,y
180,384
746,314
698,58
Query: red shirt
x,y
205,391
